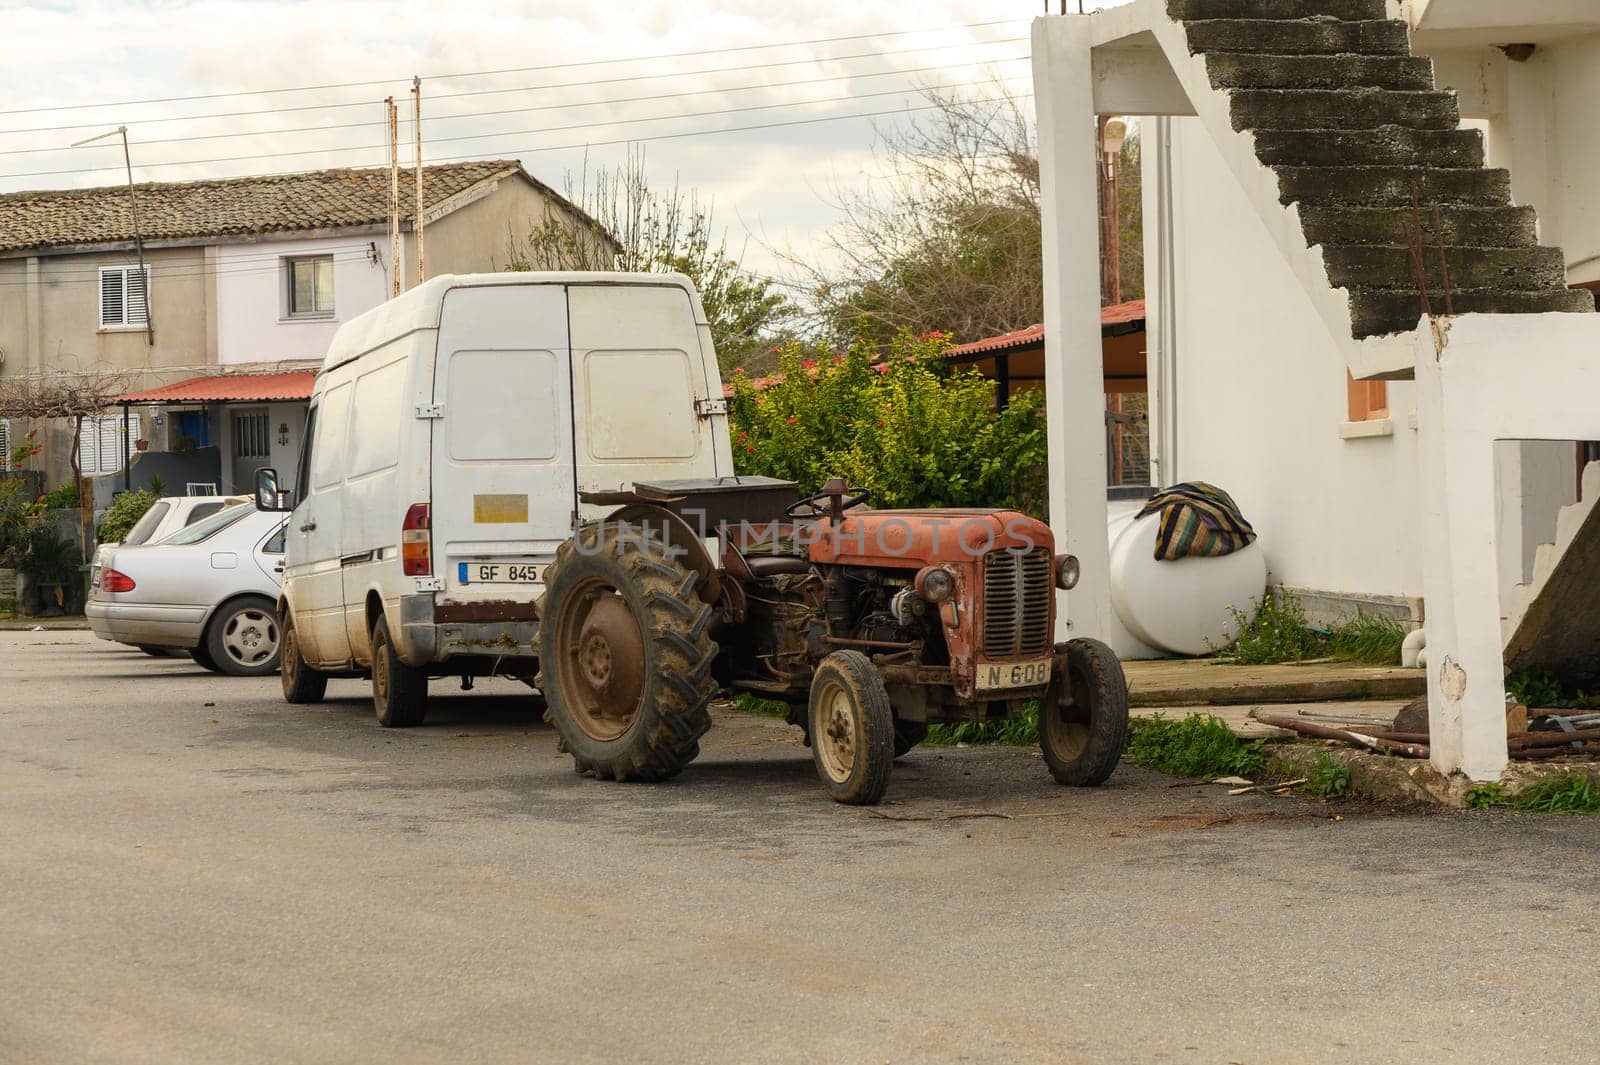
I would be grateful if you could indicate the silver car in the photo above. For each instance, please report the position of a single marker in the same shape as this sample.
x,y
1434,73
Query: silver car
x,y
210,589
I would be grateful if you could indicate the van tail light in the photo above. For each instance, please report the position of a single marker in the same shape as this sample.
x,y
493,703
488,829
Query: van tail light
x,y
113,581
416,542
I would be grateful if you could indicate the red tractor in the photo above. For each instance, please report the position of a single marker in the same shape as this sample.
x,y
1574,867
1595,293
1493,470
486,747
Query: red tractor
x,y
870,624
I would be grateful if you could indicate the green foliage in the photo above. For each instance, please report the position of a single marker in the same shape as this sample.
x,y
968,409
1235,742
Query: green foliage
x,y
1022,731
1328,778
746,703
1483,796
63,498
157,485
1374,639
1573,793
46,557
1199,745
1276,632
896,421
123,514
27,449
1536,687
13,519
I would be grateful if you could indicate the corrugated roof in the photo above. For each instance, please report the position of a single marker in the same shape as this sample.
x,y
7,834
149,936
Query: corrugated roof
x,y
1116,315
276,203
232,387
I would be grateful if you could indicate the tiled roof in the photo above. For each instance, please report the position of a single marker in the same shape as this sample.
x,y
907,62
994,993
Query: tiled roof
x,y
1116,315
278,203
243,387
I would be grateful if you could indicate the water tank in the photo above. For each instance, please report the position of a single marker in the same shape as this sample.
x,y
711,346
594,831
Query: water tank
x,y
1182,606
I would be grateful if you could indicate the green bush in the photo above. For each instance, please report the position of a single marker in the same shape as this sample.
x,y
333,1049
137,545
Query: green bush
x,y
123,514
1199,745
1276,632
900,422
63,498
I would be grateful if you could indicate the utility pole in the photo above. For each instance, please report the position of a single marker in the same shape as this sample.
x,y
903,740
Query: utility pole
x,y
395,263
138,239
416,122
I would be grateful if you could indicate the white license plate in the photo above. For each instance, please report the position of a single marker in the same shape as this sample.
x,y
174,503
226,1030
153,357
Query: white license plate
x,y
1000,676
498,573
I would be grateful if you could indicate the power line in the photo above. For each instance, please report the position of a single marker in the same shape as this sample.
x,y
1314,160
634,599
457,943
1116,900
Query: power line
x,y
507,70
585,83
480,136
541,107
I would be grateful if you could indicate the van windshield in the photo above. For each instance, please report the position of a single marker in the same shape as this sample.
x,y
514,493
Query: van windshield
x,y
200,530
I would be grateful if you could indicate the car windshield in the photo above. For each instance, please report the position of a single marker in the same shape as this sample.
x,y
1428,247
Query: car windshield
x,y
200,530
146,526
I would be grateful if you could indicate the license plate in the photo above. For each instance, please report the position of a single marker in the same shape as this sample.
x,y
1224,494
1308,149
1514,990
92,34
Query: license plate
x,y
999,676
498,573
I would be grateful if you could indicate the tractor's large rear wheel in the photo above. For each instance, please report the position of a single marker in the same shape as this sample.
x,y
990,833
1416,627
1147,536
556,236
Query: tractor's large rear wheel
x,y
626,654
1083,716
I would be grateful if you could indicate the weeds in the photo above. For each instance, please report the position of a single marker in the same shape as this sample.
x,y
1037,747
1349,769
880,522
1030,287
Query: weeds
x,y
1371,638
1483,796
1021,732
746,703
1277,632
1328,778
1573,793
1197,746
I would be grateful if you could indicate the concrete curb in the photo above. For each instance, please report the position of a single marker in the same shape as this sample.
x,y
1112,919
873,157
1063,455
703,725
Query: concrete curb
x,y
1408,780
48,624
1401,685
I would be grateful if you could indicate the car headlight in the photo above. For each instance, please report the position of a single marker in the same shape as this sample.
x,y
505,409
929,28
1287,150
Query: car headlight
x,y
935,584
1067,571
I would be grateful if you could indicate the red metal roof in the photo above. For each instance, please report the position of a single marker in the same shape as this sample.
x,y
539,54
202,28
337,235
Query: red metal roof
x,y
229,387
1115,315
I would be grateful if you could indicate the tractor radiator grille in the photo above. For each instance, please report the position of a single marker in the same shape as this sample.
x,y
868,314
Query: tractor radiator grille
x,y
1016,604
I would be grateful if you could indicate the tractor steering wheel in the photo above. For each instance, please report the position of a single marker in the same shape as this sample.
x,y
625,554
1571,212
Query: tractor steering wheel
x,y
820,504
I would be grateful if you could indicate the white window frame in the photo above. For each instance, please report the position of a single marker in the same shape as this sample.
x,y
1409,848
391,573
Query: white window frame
x,y
124,322
105,444
289,311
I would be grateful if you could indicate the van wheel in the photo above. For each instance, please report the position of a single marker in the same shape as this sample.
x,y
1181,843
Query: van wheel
x,y
626,654
301,683
399,692
242,639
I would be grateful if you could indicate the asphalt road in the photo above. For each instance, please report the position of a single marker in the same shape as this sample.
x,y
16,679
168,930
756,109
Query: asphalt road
x,y
193,871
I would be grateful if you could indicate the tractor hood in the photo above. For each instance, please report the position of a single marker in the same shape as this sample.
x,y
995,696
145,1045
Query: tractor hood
x,y
917,538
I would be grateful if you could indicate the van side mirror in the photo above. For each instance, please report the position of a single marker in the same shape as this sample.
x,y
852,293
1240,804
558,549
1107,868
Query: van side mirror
x,y
267,495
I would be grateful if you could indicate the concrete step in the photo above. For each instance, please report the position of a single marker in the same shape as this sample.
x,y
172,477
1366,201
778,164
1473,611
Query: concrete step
x,y
1343,109
1296,38
1254,70
1385,146
1392,186
1349,10
1390,266
1481,227
1374,312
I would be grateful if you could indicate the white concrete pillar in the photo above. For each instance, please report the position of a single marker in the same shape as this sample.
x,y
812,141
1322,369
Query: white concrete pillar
x,y
1074,376
1466,681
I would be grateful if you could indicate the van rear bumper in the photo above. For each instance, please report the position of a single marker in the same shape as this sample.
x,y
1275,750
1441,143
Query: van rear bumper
x,y
423,640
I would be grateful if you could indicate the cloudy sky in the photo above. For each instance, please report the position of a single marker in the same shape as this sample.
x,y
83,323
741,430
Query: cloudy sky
x,y
544,82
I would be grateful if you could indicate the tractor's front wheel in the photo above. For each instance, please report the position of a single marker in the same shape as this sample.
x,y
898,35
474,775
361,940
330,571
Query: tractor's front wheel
x,y
1083,717
625,654
852,729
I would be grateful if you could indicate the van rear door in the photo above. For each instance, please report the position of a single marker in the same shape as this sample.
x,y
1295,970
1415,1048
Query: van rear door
x,y
503,488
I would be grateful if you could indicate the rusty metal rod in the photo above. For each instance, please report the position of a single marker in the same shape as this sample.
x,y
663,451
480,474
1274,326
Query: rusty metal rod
x,y
1306,728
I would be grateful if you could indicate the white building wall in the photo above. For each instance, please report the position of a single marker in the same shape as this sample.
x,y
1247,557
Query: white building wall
x,y
1258,393
252,304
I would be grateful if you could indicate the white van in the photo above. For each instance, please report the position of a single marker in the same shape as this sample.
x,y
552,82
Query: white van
x,y
450,434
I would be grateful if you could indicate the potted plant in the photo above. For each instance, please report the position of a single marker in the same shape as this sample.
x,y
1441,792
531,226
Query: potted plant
x,y
51,565
141,444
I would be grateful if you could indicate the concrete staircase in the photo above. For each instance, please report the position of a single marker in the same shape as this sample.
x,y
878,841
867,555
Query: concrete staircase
x,y
1351,125
1551,620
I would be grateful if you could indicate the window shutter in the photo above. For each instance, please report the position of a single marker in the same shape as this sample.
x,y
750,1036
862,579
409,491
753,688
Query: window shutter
x,y
138,296
5,445
89,446
111,297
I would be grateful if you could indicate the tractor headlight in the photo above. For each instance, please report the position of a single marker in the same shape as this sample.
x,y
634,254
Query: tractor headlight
x,y
935,584
1067,571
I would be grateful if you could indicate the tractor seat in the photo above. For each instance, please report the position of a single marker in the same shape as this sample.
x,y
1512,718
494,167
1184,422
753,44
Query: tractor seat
x,y
764,566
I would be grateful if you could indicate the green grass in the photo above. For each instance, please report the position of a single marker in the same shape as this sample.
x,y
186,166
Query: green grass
x,y
1277,632
1022,732
754,704
1197,746
1483,796
1573,793
1374,639
1328,778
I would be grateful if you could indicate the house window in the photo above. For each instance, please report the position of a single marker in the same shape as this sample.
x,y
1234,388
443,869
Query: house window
x,y
1368,400
105,443
124,297
309,282
250,440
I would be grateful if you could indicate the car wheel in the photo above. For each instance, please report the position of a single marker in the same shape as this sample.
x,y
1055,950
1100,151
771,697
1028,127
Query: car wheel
x,y
399,692
242,638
